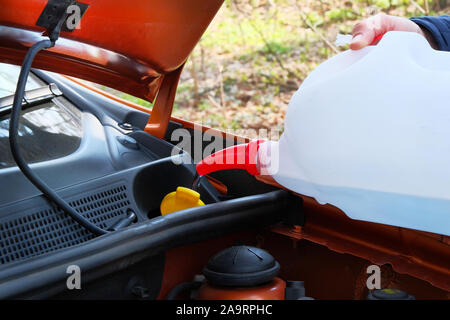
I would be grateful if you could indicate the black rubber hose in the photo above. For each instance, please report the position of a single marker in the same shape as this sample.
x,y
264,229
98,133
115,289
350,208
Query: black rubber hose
x,y
182,287
15,149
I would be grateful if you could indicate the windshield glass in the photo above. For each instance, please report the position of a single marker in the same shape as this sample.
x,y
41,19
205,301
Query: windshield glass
x,y
8,80
50,130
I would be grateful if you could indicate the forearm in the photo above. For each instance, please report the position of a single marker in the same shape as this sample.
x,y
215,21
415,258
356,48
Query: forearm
x,y
436,30
431,40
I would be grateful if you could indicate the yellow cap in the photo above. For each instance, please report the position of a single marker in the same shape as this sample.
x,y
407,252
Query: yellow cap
x,y
183,198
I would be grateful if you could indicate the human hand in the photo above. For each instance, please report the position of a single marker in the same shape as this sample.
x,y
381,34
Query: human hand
x,y
365,31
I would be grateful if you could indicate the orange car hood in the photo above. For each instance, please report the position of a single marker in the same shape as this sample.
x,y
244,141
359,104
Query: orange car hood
x,y
127,45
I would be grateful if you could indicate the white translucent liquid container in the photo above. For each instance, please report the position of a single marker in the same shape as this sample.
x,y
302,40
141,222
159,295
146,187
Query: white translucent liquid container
x,y
369,132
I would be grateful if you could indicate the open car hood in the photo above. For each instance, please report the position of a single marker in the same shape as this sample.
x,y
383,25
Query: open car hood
x,y
127,45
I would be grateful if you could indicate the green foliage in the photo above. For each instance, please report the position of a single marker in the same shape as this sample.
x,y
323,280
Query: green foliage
x,y
204,105
136,100
339,15
314,18
277,47
128,97
384,4
264,50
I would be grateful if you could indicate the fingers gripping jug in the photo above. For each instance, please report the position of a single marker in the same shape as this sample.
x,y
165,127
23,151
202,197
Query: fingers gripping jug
x,y
368,131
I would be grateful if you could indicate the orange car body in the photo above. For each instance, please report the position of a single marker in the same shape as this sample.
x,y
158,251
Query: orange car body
x,y
139,47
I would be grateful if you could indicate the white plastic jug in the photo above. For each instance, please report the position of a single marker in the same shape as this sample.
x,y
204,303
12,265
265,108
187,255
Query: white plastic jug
x,y
369,132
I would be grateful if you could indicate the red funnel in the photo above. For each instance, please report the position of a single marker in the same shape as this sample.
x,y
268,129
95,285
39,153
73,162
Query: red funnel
x,y
242,156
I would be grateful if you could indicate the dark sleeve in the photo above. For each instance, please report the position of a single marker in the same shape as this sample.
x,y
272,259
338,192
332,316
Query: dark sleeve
x,y
439,28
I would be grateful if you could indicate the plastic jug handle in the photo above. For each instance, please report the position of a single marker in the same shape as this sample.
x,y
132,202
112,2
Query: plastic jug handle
x,y
377,38
242,156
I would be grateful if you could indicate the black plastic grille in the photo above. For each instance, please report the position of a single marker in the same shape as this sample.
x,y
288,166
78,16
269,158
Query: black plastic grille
x,y
51,229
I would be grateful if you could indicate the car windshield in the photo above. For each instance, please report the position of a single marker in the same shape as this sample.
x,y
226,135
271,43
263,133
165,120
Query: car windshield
x,y
8,80
49,130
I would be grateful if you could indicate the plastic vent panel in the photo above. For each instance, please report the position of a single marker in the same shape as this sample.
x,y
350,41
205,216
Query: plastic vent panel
x,y
39,232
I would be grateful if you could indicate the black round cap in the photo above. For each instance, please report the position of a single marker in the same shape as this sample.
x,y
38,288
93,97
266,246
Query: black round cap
x,y
389,294
241,266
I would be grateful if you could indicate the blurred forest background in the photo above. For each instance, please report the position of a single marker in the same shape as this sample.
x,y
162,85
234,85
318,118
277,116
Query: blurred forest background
x,y
256,53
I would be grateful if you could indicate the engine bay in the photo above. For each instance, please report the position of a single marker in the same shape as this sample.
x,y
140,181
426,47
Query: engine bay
x,y
98,158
